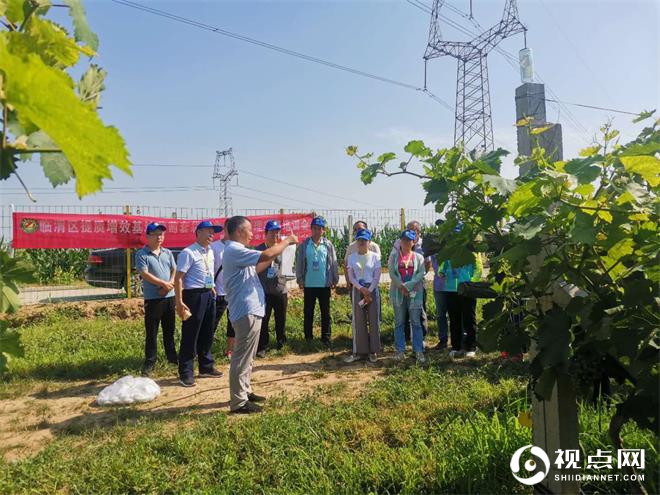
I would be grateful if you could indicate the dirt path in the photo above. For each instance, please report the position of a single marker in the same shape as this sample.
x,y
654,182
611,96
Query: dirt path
x,y
29,423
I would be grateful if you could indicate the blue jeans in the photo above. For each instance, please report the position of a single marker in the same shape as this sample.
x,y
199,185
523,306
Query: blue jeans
x,y
400,326
441,315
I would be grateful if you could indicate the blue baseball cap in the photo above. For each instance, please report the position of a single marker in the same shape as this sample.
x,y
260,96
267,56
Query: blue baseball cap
x,y
272,225
206,224
155,226
319,222
363,234
408,234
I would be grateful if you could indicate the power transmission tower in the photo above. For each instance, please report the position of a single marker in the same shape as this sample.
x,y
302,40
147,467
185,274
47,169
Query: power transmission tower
x,y
224,171
473,124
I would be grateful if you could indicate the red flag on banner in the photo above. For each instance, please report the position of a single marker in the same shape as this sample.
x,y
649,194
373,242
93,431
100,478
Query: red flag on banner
x,y
54,230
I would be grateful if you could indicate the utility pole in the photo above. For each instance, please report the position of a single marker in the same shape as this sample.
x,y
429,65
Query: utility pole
x,y
473,124
224,171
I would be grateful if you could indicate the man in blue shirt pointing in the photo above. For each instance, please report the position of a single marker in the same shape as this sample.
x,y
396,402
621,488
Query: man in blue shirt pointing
x,y
247,302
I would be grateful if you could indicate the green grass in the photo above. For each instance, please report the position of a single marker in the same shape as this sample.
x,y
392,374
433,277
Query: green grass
x,y
445,428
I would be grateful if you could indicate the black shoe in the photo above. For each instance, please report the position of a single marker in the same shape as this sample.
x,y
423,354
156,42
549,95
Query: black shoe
x,y
212,373
326,342
280,344
256,398
147,371
173,361
440,346
187,381
247,408
261,354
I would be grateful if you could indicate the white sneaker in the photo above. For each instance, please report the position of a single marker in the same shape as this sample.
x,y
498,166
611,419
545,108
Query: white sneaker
x,y
470,354
373,358
421,358
399,356
455,354
352,358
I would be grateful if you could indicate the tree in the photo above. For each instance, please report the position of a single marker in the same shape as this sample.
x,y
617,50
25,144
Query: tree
x,y
574,251
44,112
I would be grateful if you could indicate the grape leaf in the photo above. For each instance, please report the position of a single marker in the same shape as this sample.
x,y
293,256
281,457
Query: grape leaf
x,y
56,167
91,85
523,198
645,165
44,96
584,169
49,41
81,29
436,191
417,148
504,186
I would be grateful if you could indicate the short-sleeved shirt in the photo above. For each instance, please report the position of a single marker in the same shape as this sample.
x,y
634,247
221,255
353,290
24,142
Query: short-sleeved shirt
x,y
159,265
364,267
316,262
353,247
439,278
245,296
218,248
197,264
271,278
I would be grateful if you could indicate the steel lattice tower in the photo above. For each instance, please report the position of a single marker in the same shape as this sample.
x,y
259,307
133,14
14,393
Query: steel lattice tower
x,y
224,171
473,124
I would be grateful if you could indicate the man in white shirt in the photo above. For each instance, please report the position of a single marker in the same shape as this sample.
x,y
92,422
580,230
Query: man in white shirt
x,y
195,304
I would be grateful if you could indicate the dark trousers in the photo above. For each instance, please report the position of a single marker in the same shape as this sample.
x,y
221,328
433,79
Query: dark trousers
x,y
220,308
311,294
159,312
197,332
462,321
276,303
424,320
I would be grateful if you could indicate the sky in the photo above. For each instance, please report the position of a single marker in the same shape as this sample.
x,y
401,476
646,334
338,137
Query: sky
x,y
178,93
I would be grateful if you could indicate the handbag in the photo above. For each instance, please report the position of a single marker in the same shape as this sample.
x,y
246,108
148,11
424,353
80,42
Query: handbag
x,y
476,290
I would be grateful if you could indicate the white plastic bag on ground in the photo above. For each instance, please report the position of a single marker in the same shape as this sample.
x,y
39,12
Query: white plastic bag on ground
x,y
128,390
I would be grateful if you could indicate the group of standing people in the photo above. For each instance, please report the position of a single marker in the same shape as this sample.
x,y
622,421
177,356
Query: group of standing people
x,y
211,277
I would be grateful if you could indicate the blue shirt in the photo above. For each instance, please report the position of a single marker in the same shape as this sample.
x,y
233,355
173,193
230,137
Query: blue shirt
x,y
197,264
159,265
317,260
438,277
245,296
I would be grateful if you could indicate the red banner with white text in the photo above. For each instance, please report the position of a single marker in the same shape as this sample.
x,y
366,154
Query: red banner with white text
x,y
54,230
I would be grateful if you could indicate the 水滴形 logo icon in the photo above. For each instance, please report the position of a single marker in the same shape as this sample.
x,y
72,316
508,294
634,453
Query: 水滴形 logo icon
x,y
530,465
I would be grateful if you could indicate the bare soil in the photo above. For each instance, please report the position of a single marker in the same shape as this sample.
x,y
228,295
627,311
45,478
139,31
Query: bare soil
x,y
29,423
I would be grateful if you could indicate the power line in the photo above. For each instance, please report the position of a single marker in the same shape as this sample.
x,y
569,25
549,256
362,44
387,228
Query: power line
x,y
594,107
512,60
316,205
114,191
276,48
585,64
267,201
170,165
309,189
271,179
185,188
